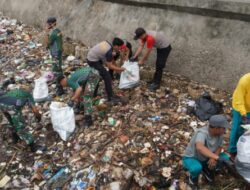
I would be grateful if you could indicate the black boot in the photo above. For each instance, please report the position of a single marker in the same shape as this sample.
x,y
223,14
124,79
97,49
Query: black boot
x,y
15,137
77,108
208,174
88,121
115,100
193,183
34,147
59,90
150,82
154,86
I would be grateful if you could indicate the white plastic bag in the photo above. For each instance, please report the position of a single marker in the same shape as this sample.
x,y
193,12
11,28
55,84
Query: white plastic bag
x,y
41,90
63,119
243,148
242,162
48,76
130,77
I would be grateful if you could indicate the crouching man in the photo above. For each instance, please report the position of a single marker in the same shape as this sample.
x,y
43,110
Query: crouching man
x,y
11,105
204,151
84,82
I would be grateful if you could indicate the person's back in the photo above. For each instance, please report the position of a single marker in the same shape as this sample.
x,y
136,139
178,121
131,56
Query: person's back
x,y
160,39
17,97
99,51
11,104
80,76
241,95
56,43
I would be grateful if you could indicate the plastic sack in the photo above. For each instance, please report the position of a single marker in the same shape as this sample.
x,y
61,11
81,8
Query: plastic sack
x,y
205,107
242,162
48,76
41,90
243,148
130,77
63,119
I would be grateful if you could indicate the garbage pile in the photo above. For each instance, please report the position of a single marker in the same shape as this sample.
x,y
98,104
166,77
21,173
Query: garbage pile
x,y
137,145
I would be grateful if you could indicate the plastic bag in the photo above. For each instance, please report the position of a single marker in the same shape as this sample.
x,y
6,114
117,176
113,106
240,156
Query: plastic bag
x,y
48,76
205,107
63,119
242,162
130,77
41,90
243,148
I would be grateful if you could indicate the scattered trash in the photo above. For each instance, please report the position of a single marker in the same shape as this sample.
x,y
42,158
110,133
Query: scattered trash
x,y
166,172
111,121
154,118
137,145
71,58
4,181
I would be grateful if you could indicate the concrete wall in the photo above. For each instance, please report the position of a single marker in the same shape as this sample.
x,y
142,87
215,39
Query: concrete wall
x,y
210,39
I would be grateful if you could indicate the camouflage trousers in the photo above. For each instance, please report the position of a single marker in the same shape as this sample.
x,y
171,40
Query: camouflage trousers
x,y
88,92
16,122
57,68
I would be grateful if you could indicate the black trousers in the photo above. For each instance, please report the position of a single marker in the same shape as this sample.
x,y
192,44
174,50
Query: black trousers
x,y
162,56
105,76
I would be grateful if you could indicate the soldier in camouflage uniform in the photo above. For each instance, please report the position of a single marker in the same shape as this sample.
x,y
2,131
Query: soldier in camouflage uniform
x,y
84,83
54,43
11,104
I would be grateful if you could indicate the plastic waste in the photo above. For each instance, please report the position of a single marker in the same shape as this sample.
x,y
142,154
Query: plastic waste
x,y
205,107
63,119
41,90
111,121
130,77
154,118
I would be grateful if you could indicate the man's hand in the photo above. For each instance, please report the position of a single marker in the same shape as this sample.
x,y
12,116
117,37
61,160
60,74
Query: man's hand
x,y
122,69
141,62
211,163
232,156
245,120
221,159
132,59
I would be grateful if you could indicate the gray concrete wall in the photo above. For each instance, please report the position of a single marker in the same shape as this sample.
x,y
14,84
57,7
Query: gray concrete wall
x,y
210,39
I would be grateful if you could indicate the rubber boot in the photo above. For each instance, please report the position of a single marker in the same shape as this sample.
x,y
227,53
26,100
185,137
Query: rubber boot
x,y
34,147
59,90
88,121
15,137
153,87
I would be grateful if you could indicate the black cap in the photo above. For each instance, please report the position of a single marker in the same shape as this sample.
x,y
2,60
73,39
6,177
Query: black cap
x,y
138,33
51,20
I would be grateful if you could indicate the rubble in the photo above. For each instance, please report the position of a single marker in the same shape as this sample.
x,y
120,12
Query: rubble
x,y
137,145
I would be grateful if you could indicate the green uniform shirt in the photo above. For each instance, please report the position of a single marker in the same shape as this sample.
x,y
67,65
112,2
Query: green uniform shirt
x,y
79,77
21,95
55,43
